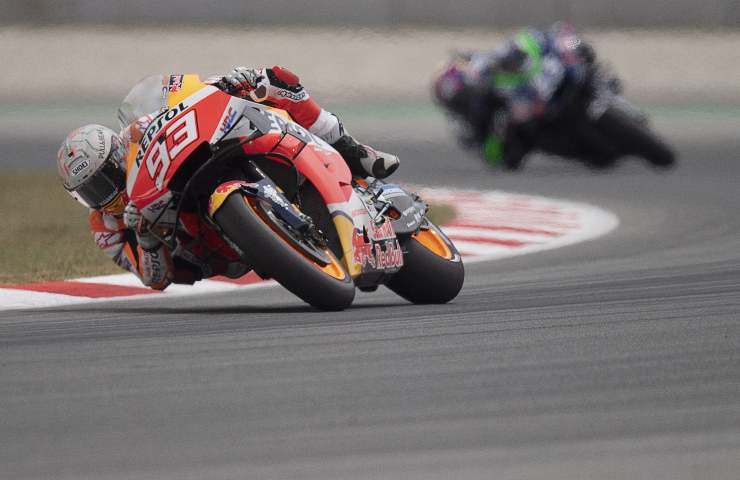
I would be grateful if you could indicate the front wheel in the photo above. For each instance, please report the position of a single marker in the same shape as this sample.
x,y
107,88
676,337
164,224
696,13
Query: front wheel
x,y
432,272
311,272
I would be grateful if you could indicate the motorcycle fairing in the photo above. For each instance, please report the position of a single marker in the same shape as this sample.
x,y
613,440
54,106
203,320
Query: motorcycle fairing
x,y
202,113
363,253
410,210
264,190
170,138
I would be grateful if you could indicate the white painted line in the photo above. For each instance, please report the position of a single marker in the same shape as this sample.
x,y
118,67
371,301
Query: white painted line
x,y
19,299
130,280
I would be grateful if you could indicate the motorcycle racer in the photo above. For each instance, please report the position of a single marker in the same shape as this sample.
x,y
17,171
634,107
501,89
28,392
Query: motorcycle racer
x,y
499,100
91,164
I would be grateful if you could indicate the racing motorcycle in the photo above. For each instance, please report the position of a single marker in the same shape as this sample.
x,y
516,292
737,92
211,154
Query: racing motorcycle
x,y
582,113
229,180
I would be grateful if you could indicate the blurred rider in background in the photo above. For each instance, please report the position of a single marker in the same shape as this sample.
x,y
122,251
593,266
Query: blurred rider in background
x,y
498,100
92,166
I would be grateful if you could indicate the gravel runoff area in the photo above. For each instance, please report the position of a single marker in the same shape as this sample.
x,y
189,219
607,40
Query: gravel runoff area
x,y
57,64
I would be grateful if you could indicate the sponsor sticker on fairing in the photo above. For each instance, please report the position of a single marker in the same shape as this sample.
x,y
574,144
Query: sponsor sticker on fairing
x,y
391,257
363,251
383,231
175,83
228,120
378,255
155,126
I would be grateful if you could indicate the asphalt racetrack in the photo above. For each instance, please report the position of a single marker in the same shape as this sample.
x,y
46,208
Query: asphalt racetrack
x,y
616,358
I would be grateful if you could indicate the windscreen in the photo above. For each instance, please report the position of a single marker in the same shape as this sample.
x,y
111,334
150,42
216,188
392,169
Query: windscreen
x,y
147,96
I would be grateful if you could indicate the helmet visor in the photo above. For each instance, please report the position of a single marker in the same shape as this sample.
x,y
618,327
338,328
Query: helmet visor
x,y
102,187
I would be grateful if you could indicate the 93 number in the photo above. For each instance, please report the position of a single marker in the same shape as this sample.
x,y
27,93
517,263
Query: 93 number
x,y
178,136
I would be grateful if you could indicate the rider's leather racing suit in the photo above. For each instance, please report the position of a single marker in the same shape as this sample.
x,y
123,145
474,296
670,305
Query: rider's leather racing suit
x,y
510,91
157,267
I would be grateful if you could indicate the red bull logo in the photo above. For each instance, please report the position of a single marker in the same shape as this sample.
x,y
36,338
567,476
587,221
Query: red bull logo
x,y
391,257
383,231
378,255
363,250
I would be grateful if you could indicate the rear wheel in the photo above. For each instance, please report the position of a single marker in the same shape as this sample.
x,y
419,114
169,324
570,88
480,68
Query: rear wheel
x,y
310,271
432,269
636,138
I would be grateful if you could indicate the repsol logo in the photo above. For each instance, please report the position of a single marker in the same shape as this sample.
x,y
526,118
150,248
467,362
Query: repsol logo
x,y
80,167
156,126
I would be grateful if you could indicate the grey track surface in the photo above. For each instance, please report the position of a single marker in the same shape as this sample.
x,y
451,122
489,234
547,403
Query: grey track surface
x,y
617,358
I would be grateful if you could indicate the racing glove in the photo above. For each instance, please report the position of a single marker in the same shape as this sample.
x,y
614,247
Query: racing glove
x,y
135,221
247,82
153,264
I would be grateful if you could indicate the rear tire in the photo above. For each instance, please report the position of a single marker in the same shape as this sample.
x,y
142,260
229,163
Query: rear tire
x,y
426,277
272,255
636,138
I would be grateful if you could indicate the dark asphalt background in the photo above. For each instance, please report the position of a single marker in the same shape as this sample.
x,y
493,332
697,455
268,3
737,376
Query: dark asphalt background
x,y
616,358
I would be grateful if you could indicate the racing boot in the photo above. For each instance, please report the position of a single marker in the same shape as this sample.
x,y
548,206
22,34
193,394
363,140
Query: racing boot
x,y
364,161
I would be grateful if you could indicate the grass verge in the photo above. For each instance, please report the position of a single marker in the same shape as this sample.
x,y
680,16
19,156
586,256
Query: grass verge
x,y
45,235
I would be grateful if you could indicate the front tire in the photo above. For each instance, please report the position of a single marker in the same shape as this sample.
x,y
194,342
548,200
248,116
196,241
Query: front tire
x,y
433,271
272,253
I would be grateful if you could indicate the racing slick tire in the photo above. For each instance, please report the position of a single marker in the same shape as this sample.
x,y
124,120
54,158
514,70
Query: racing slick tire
x,y
432,271
274,253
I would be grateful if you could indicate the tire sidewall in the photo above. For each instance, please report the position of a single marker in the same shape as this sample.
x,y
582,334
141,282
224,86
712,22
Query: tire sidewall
x,y
271,255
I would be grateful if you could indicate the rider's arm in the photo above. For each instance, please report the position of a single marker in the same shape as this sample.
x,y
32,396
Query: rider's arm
x,y
153,267
281,88
286,92
487,125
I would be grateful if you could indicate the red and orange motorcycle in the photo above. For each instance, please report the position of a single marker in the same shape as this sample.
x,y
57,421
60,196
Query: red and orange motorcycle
x,y
230,180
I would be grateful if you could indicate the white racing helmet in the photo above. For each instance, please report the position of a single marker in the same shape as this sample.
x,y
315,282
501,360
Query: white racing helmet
x,y
90,163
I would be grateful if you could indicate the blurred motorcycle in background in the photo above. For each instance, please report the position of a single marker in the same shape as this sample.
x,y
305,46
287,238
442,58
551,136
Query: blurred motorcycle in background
x,y
544,91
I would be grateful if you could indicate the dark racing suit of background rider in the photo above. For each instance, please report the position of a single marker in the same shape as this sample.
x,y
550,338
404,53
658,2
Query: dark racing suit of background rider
x,y
502,112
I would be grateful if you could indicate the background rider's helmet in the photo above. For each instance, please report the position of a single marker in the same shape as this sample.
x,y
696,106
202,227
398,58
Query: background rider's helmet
x,y
449,87
515,60
90,163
